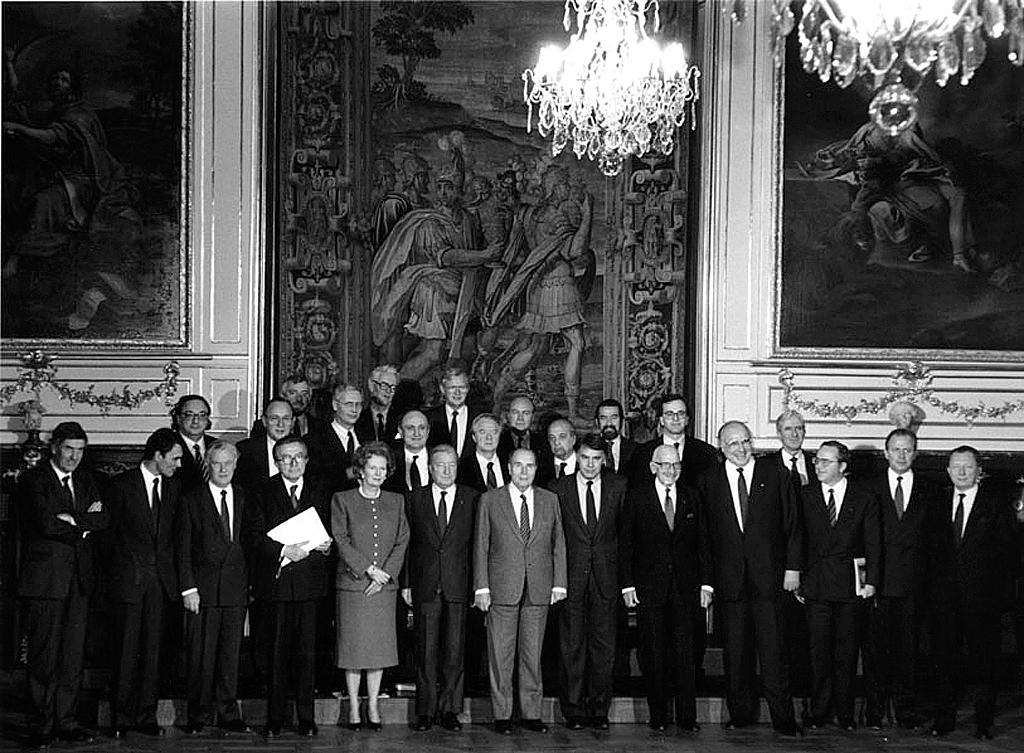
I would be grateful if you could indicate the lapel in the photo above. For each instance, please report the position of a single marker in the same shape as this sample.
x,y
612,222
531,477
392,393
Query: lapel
x,y
604,511
142,497
728,509
428,510
510,512
657,505
58,489
977,512
454,508
213,504
574,500
538,511
236,519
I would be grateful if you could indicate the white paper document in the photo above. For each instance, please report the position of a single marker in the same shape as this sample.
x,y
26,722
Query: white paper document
x,y
304,527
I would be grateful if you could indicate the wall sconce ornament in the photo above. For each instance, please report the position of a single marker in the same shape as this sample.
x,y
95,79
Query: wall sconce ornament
x,y
896,45
37,371
613,91
912,383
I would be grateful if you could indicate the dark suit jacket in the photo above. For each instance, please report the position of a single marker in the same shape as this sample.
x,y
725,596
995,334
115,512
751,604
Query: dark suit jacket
x,y
627,451
436,562
328,458
138,552
440,429
697,457
538,443
501,558
207,559
396,481
190,474
596,553
782,458
469,473
547,470
904,540
54,553
313,423
978,570
653,558
253,464
366,425
829,551
771,544
299,581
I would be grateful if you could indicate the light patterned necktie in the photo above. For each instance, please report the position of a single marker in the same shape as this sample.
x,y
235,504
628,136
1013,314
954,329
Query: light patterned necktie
x,y
524,518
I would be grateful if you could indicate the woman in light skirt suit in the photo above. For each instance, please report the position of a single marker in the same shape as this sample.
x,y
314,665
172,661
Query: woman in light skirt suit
x,y
371,534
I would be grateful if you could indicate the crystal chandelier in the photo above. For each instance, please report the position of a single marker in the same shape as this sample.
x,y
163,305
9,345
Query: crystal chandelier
x,y
613,91
896,44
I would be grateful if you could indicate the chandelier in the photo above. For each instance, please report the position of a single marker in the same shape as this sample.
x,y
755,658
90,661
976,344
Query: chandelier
x,y
612,92
896,44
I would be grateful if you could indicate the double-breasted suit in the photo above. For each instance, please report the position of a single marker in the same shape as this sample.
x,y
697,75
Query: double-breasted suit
x,y
834,611
745,566
438,572
143,586
662,565
519,573
55,581
212,561
290,594
586,630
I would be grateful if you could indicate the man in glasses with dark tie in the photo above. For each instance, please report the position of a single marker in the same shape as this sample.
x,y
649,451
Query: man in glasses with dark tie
x,y
673,420
381,417
451,422
332,447
60,511
751,550
435,583
292,592
190,418
971,564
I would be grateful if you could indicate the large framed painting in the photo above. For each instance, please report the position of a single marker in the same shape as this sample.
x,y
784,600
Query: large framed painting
x,y
908,244
96,164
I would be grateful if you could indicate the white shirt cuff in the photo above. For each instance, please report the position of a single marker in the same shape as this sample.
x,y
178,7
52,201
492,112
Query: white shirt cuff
x,y
188,592
482,591
707,588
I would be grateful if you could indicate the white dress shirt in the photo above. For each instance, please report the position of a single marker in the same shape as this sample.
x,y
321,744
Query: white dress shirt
x,y
969,496
61,475
190,445
570,465
495,466
271,463
343,435
907,483
581,489
801,463
461,421
147,478
732,473
449,500
421,466
839,494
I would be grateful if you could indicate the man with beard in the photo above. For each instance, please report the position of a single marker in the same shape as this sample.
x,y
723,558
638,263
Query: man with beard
x,y
610,419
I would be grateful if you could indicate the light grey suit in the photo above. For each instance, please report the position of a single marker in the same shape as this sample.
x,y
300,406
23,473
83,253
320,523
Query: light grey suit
x,y
520,575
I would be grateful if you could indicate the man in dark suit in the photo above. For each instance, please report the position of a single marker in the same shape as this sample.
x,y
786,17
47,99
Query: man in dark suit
x,y
673,418
214,586
591,504
450,422
610,420
60,509
484,469
659,575
971,561
750,551
381,417
435,583
840,525
411,456
332,447
518,572
790,428
560,460
906,503
190,418
518,432
143,579
256,454
296,390
291,591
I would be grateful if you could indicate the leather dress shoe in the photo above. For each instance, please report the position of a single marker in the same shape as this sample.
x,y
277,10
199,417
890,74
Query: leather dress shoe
x,y
503,726
77,735
873,722
533,725
307,730
689,726
374,726
792,729
574,723
450,721
983,732
235,725
152,729
422,724
353,726
599,722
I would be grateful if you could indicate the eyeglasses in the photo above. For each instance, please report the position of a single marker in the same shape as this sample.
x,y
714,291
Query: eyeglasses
x,y
823,461
292,459
667,466
738,443
675,414
192,414
385,386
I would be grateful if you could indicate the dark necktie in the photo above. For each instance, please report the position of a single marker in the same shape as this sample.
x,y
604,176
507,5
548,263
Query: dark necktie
x,y
524,518
492,480
380,427
200,463
69,496
294,496
519,439
454,430
795,470
958,519
898,499
670,510
741,492
414,474
832,516
442,512
591,509
225,518
561,469
155,507
611,458
350,448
